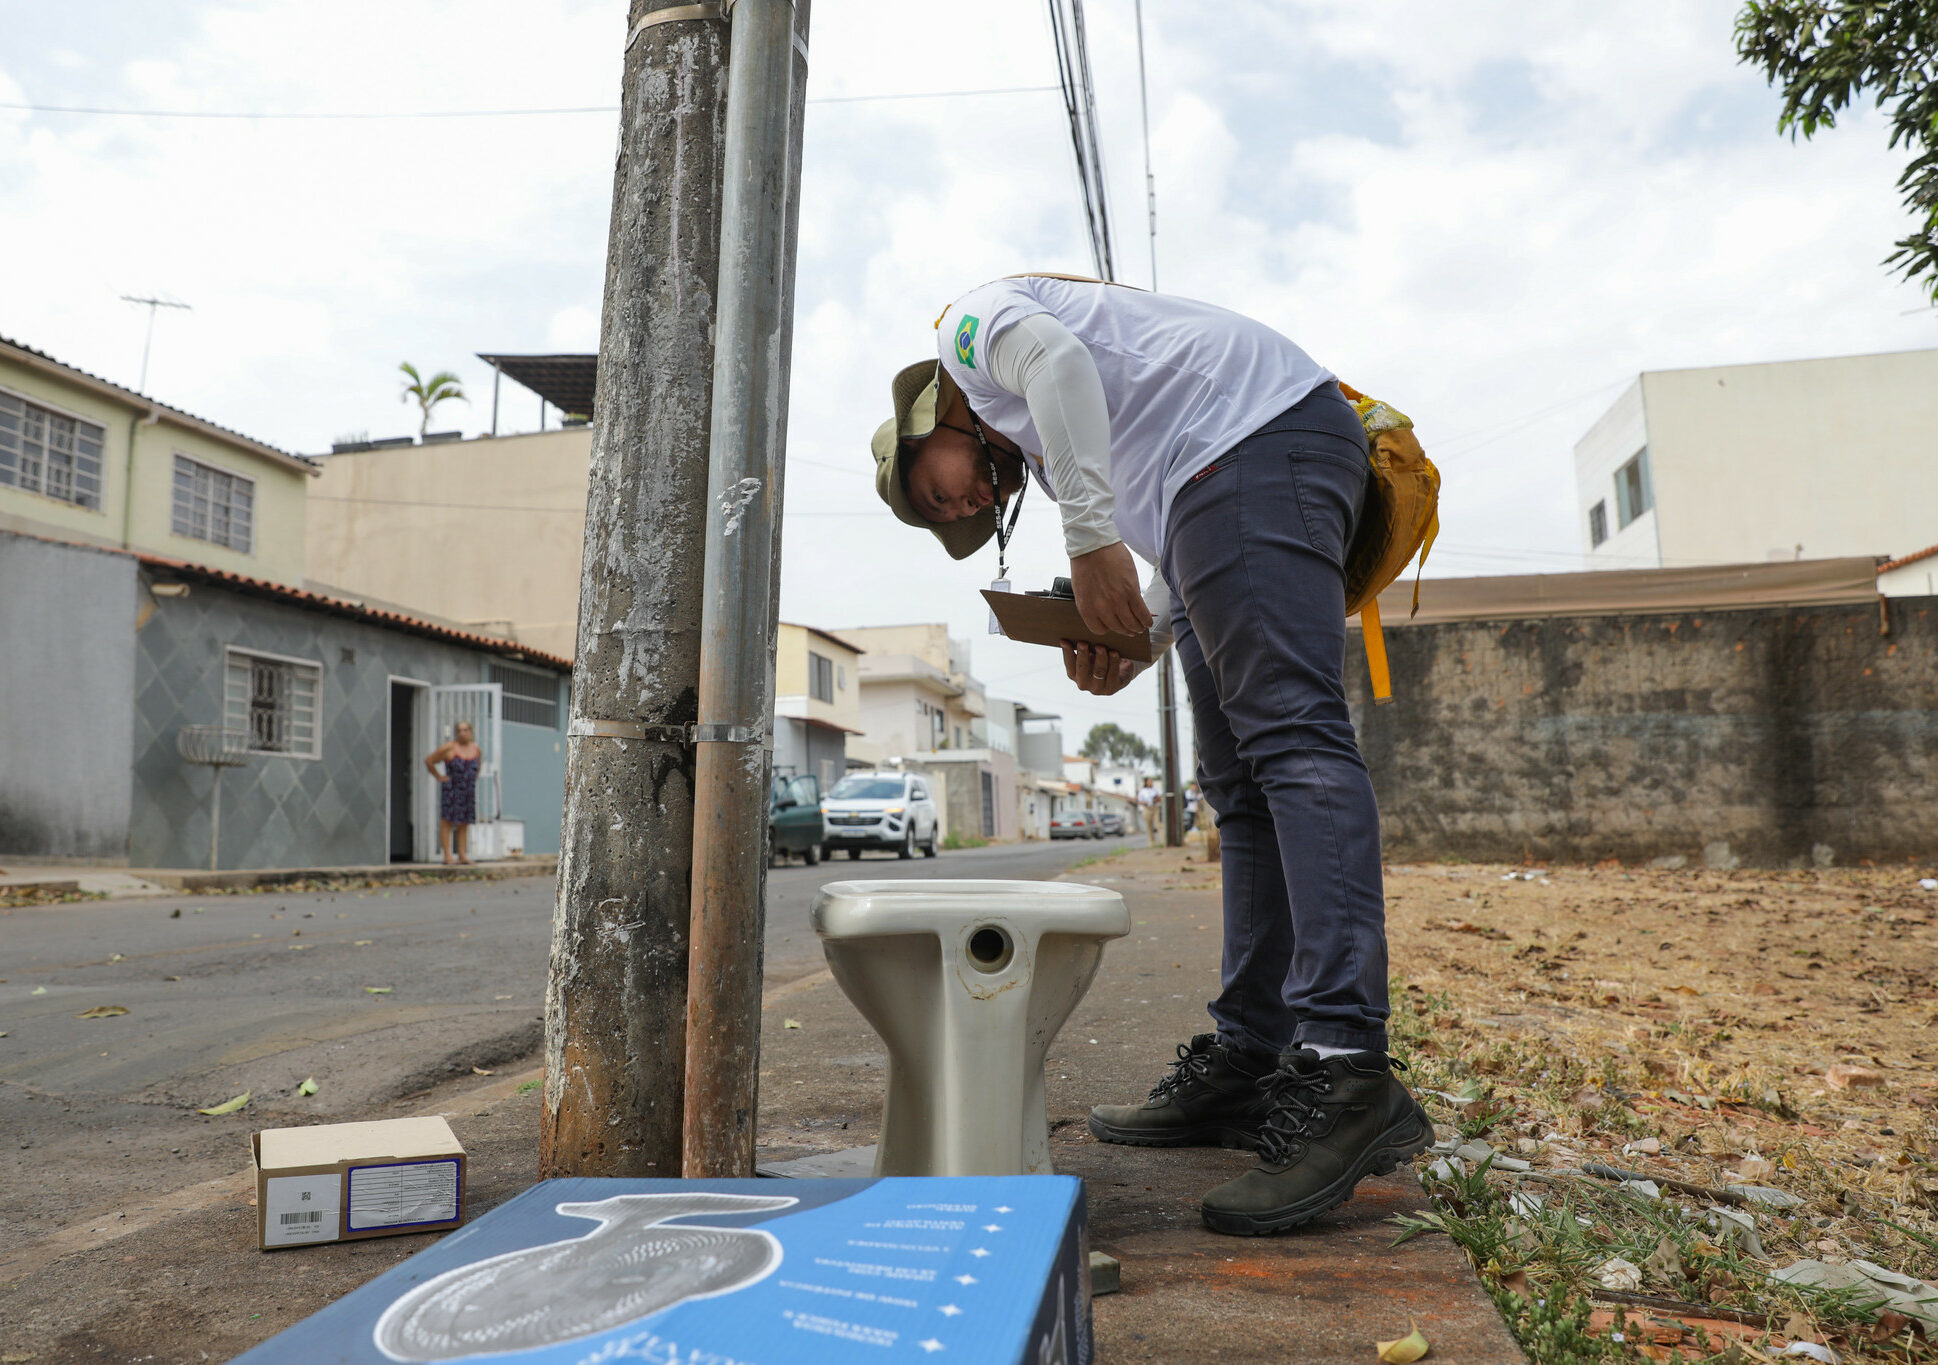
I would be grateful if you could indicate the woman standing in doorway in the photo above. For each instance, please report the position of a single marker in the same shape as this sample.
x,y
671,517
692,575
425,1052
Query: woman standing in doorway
x,y
457,803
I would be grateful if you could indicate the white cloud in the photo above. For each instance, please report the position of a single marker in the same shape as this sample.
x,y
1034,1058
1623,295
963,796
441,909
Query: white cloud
x,y
1492,213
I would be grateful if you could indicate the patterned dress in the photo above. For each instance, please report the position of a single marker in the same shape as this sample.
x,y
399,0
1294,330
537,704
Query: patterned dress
x,y
457,799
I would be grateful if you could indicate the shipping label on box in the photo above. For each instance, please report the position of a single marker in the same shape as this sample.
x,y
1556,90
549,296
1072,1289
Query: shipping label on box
x,y
337,1181
733,1272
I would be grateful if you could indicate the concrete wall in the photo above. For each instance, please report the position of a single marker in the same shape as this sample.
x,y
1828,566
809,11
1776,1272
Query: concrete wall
x,y
792,697
1839,456
1836,455
928,642
487,533
534,775
280,484
282,810
1041,752
809,751
67,679
957,778
1771,737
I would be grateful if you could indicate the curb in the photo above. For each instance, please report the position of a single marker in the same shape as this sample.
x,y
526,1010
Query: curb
x,y
160,881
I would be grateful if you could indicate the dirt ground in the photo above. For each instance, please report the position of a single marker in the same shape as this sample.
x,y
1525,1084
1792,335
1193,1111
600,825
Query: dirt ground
x,y
1748,1027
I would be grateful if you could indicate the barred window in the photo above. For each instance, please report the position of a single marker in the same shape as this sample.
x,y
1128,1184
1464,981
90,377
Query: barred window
x,y
1597,524
820,677
49,453
214,505
531,695
271,701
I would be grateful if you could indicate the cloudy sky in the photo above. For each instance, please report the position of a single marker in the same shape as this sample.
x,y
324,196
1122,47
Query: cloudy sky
x,y
1493,214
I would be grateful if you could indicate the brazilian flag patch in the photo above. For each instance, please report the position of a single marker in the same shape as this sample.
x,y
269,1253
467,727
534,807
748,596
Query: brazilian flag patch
x,y
966,341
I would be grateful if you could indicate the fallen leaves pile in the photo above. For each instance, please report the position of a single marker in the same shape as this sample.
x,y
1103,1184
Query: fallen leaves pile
x,y
14,897
1620,1060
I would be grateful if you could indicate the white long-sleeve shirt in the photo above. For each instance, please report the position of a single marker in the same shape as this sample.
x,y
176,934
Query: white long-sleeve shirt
x,y
1122,395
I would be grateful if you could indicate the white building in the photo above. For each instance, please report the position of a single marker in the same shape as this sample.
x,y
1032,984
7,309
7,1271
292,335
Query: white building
x,y
1734,464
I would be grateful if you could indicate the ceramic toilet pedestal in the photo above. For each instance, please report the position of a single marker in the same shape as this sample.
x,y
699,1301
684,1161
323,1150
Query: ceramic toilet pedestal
x,y
967,982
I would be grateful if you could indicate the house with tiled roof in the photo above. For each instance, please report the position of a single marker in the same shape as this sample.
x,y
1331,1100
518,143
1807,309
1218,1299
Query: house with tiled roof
x,y
179,695
86,460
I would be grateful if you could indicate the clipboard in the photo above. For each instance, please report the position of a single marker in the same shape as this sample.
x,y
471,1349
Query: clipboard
x,y
1052,620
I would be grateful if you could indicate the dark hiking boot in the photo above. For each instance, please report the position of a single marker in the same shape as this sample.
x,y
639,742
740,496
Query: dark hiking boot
x,y
1211,1098
1333,1123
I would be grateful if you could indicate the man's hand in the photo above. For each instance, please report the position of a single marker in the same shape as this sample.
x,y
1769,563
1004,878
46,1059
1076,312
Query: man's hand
x,y
1096,669
1108,597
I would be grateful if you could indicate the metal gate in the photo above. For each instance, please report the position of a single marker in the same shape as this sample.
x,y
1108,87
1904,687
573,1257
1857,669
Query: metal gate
x,y
483,704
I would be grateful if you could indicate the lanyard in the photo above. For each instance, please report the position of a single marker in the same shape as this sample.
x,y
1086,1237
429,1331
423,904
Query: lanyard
x,y
1014,508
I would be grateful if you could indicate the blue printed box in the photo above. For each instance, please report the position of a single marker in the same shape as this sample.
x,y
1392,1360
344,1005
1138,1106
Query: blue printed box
x,y
733,1272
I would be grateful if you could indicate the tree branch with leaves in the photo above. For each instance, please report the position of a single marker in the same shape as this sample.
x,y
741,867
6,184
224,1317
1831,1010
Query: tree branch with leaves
x,y
442,387
1824,54
1117,747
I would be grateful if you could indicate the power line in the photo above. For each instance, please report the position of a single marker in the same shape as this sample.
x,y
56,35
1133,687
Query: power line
x,y
369,115
1144,109
1080,104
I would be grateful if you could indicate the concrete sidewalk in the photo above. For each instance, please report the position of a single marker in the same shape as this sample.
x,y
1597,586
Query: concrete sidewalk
x,y
173,1276
118,882
1324,1293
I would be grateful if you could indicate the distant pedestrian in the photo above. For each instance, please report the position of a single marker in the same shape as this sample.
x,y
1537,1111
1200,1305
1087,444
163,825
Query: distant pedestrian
x,y
457,800
1148,799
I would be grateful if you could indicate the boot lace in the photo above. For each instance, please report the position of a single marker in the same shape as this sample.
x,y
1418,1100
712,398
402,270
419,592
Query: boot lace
x,y
1188,1068
1295,1108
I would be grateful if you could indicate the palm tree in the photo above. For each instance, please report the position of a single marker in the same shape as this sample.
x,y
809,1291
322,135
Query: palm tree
x,y
440,387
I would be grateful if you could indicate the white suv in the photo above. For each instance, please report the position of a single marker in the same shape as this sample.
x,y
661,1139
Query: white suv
x,y
881,810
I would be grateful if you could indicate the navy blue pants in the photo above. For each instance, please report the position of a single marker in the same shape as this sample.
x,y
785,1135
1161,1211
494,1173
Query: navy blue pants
x,y
1255,557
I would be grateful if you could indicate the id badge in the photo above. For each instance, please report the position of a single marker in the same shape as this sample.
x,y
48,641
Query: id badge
x,y
999,585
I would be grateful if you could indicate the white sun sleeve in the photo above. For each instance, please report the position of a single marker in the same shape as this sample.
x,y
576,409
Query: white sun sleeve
x,y
1040,361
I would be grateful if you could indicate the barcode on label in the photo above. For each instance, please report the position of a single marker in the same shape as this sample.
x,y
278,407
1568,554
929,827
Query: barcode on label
x,y
312,1216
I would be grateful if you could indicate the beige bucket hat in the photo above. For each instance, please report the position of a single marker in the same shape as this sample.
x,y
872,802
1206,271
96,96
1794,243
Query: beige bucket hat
x,y
923,392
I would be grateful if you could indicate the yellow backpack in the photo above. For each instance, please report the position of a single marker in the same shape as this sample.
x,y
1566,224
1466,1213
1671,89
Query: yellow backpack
x,y
1402,515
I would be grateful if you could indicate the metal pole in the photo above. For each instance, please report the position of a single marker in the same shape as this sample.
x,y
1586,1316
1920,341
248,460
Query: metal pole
x,y
1167,701
1167,714
1150,181
733,762
496,376
215,817
615,1007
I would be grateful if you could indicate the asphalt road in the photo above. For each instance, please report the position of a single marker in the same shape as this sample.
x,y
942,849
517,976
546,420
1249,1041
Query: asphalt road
x,y
376,995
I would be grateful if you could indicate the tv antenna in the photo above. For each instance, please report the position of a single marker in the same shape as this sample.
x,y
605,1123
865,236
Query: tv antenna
x,y
151,303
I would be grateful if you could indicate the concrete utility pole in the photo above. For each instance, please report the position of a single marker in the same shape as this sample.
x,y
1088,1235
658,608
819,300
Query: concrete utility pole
x,y
759,208
615,1006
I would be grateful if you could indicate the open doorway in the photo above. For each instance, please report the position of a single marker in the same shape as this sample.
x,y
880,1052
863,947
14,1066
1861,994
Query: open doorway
x,y
402,777
403,747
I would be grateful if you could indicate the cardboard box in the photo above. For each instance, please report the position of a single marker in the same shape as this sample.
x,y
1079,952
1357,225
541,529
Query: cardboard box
x,y
733,1272
337,1182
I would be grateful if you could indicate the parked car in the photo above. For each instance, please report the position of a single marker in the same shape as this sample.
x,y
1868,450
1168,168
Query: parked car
x,y
1112,822
794,820
1075,824
881,810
